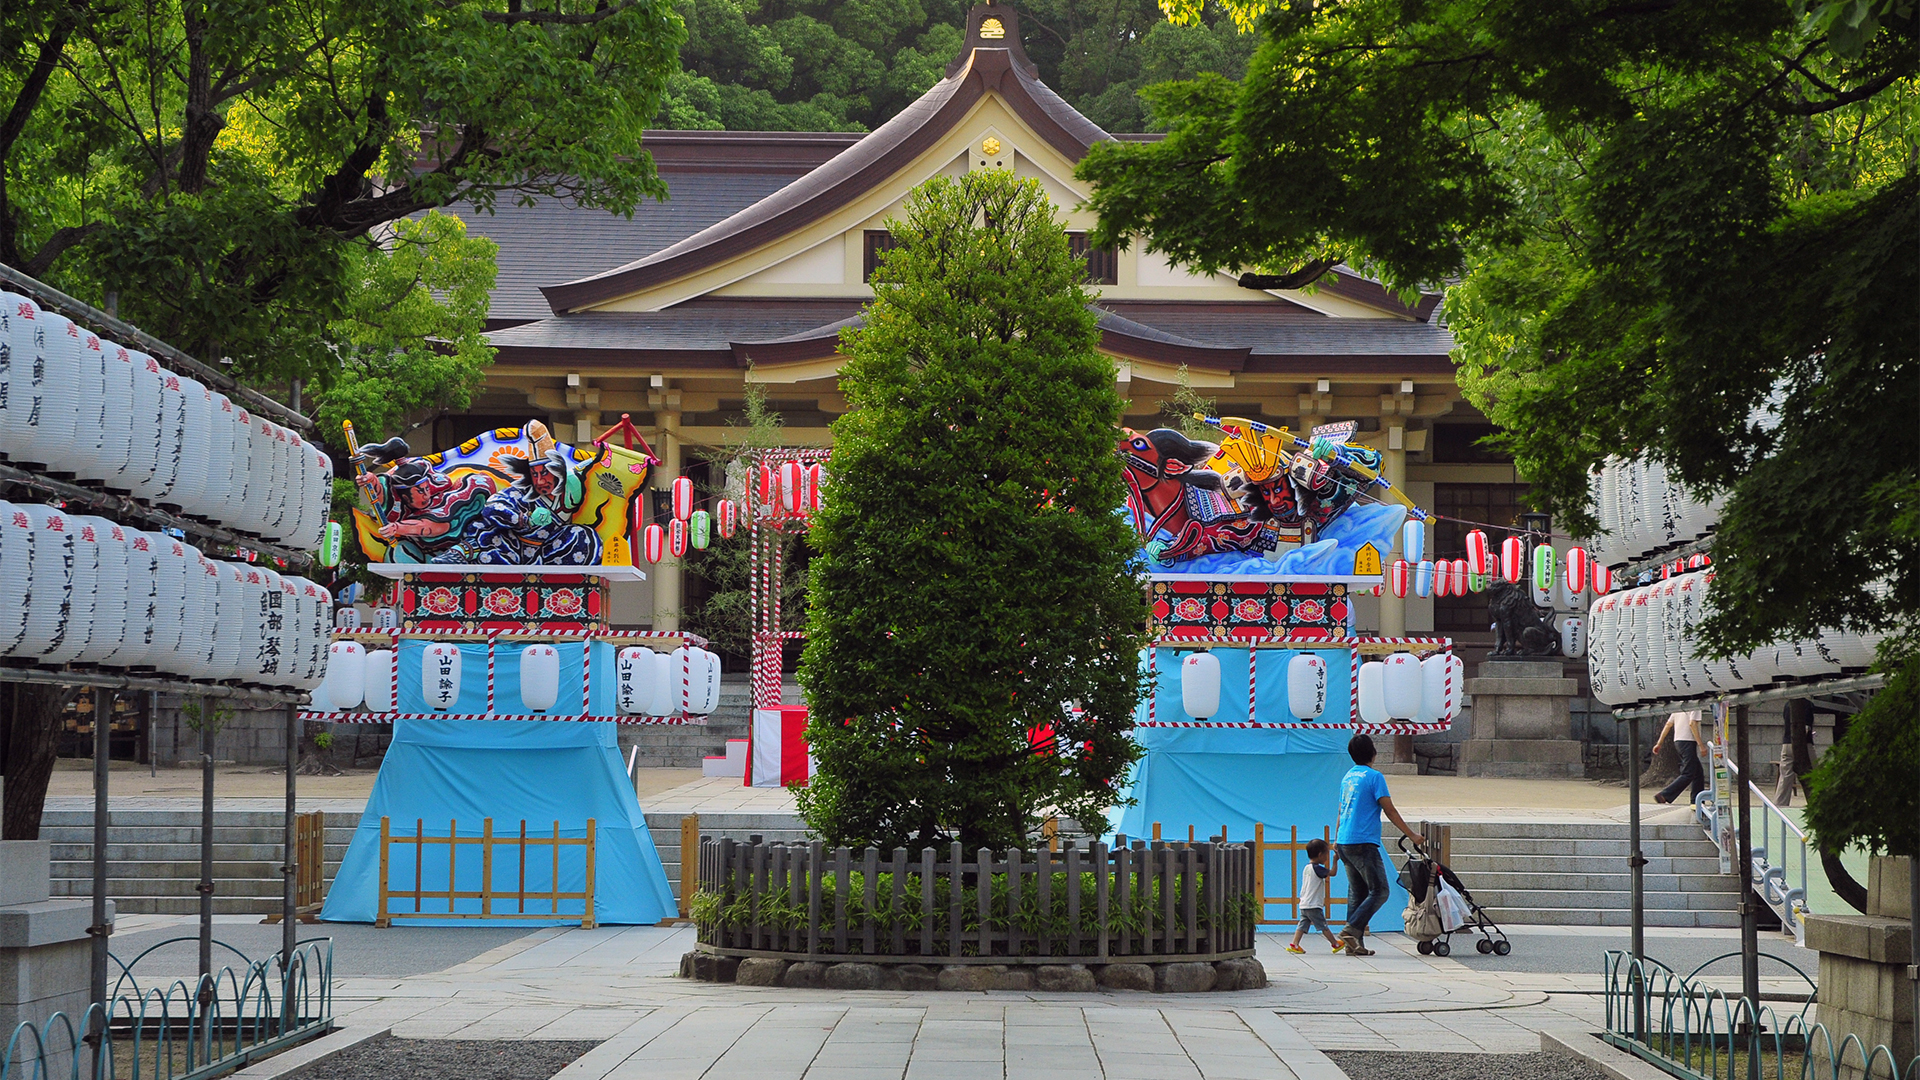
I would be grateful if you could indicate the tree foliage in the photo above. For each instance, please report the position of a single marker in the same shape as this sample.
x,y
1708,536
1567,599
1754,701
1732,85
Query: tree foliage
x,y
1663,222
815,65
229,169
970,576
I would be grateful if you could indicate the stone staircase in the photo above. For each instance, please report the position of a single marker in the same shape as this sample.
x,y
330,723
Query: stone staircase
x,y
1576,874
685,746
153,858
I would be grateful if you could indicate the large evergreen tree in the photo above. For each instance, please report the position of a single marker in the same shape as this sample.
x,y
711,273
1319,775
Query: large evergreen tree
x,y
971,578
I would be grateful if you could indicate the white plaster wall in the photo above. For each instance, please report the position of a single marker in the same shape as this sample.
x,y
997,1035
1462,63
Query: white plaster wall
x,y
822,264
1155,269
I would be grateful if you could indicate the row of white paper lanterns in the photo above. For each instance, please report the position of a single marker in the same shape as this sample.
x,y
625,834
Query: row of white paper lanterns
x,y
90,591
1401,687
1641,510
73,403
1642,648
647,682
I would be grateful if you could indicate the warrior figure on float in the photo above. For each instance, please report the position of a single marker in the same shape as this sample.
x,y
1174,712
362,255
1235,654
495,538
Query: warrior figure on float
x,y
423,512
527,524
1227,507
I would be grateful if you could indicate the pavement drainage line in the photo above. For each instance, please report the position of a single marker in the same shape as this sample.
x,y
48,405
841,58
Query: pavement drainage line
x,y
1393,1010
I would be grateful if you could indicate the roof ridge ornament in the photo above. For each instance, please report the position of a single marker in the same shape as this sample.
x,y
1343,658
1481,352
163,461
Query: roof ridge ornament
x,y
994,26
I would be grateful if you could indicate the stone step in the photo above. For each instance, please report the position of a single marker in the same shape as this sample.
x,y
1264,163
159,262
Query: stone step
x,y
1471,865
187,818
1591,916
1584,882
134,888
175,871
190,905
1547,899
82,854
172,834
1571,830
1691,848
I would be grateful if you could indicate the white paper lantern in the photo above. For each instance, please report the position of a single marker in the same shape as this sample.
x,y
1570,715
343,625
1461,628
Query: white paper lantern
x,y
1306,686
77,632
539,677
1439,690
1200,684
706,687
19,361
144,582
53,442
1573,636
166,438
1400,686
440,676
16,566
51,587
142,423
1373,702
110,599
116,414
282,483
318,639
634,676
190,486
89,460
265,663
379,680
666,685
345,684
224,497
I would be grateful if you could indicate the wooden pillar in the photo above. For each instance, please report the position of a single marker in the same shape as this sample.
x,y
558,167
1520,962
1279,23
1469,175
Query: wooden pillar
x,y
666,573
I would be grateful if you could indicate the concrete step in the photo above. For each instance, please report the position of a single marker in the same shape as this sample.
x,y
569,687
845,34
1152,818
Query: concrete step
x,y
188,818
1698,847
1616,882
1570,830
134,888
142,853
1481,865
1555,899
182,870
190,905
177,835
1592,916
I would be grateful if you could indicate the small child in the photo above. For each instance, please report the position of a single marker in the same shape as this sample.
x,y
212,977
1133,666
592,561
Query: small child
x,y
1313,897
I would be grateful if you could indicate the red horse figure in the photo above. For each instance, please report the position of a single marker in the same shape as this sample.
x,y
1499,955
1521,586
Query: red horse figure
x,y
1176,501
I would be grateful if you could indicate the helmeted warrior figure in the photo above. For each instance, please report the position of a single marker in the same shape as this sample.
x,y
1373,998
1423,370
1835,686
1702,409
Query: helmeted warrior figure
x,y
527,524
423,513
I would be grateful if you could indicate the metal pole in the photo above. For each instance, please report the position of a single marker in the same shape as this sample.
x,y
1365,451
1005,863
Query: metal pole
x,y
101,927
206,849
1749,927
290,865
1637,889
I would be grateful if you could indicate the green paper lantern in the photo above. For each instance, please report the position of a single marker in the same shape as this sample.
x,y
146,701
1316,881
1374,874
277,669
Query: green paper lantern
x,y
330,543
700,529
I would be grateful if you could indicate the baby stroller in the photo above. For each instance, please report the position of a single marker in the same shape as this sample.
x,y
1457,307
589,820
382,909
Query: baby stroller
x,y
1432,917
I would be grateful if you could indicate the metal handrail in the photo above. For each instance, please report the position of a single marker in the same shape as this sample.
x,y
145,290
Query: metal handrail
x,y
1787,900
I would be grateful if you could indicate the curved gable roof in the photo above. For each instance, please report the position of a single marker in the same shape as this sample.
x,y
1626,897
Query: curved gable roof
x,y
986,65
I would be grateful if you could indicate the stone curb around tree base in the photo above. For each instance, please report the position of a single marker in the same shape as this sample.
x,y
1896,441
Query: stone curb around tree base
x,y
1172,977
1611,1060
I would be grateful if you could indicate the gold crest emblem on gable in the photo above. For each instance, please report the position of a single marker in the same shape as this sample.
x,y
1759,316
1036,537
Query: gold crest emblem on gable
x,y
991,27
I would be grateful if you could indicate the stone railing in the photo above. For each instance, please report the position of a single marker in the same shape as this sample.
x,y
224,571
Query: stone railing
x,y
1166,916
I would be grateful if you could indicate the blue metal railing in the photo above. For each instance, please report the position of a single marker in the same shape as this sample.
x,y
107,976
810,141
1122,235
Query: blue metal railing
x,y
180,1029
1700,1033
1781,886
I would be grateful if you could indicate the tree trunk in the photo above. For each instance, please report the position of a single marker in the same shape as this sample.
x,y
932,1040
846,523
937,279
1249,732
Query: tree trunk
x,y
1844,886
33,733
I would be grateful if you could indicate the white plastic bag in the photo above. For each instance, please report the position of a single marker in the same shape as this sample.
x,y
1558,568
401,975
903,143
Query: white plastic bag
x,y
1454,912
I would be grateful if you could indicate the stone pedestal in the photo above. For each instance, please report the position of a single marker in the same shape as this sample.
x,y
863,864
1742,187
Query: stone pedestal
x,y
45,953
1864,989
1521,723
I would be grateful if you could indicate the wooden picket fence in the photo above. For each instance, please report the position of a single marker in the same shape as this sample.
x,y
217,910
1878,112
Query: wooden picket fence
x,y
488,896
1193,901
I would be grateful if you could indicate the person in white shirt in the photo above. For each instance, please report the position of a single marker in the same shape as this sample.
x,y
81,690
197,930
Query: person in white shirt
x,y
1313,897
1684,727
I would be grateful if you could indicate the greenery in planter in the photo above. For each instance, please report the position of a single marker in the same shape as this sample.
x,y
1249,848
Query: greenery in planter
x,y
971,575
1142,915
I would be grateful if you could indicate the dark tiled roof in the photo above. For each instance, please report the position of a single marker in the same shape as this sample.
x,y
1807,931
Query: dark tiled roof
x,y
555,240
1284,329
983,66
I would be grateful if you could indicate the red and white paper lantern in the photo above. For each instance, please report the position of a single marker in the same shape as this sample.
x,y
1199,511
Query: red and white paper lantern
x,y
677,538
682,489
654,543
1457,576
1579,570
1602,579
792,476
1513,559
1479,556
1401,577
1442,578
764,493
725,518
777,752
815,477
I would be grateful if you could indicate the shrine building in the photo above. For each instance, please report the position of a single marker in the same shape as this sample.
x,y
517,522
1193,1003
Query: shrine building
x,y
763,253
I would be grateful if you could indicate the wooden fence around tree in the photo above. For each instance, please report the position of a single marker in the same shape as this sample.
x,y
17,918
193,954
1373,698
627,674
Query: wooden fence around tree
x,y
1079,905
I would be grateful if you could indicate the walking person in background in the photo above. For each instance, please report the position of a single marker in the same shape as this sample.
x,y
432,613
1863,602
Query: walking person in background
x,y
1313,897
1684,727
1363,797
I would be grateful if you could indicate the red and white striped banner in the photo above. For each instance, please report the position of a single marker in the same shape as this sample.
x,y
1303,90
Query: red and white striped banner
x,y
388,717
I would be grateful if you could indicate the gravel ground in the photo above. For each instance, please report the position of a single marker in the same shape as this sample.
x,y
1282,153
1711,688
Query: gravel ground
x,y
1378,1065
446,1059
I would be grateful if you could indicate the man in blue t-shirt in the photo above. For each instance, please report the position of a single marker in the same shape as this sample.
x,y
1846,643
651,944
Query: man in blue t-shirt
x,y
1363,795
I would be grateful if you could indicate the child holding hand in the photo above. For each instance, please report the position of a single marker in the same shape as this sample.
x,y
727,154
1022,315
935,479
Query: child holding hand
x,y
1313,896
